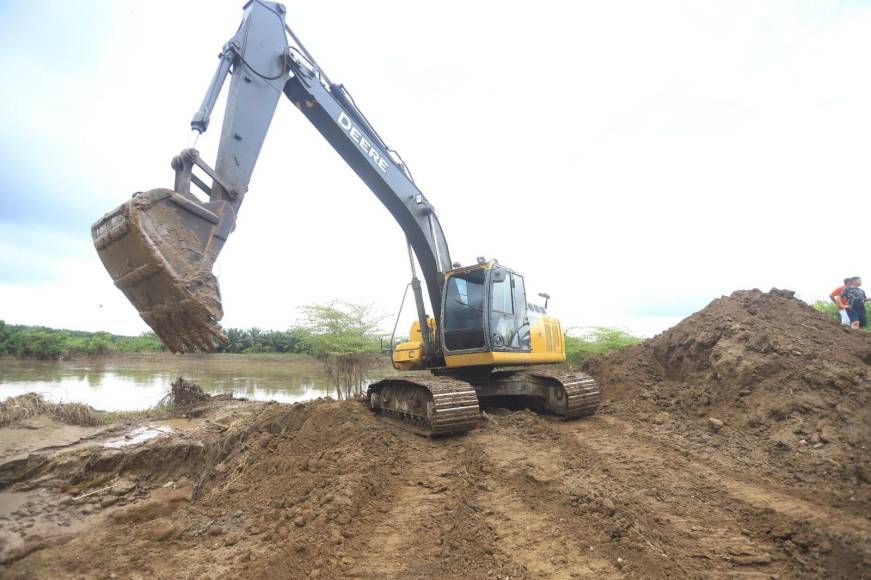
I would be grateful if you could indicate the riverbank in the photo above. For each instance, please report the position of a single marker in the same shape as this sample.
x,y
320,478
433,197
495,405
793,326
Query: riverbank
x,y
137,381
164,355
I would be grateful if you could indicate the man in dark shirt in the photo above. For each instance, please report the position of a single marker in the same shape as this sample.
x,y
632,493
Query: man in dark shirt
x,y
856,299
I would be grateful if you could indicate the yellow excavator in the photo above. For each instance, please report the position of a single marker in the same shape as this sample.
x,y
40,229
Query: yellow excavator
x,y
484,341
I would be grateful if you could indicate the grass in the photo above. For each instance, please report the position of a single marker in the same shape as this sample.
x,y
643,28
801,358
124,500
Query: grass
x,y
29,405
598,340
16,409
828,308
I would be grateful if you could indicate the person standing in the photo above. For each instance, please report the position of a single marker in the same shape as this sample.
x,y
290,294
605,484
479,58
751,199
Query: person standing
x,y
837,296
856,300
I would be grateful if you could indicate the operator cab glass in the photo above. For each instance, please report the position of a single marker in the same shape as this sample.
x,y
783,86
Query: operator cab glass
x,y
486,310
509,324
464,311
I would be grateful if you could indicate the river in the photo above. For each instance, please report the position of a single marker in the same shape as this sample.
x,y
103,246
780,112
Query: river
x,y
133,382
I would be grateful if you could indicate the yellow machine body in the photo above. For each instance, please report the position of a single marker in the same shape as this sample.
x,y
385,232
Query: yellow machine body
x,y
546,340
408,356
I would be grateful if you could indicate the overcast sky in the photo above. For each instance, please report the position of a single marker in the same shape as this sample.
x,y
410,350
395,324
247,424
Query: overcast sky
x,y
633,159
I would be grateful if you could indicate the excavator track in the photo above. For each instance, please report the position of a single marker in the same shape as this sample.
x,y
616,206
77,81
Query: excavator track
x,y
569,394
428,405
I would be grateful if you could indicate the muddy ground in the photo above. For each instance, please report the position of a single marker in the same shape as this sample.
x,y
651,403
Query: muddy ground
x,y
719,452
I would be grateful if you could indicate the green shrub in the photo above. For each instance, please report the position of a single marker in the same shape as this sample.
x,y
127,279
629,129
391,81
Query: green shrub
x,y
145,342
829,308
598,340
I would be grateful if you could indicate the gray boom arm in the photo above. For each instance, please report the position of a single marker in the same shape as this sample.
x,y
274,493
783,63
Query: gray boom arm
x,y
263,65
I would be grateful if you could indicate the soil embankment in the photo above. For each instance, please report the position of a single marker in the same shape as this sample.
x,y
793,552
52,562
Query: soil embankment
x,y
779,387
650,487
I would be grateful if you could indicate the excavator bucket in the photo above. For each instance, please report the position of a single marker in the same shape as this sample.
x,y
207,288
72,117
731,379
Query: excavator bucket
x,y
159,248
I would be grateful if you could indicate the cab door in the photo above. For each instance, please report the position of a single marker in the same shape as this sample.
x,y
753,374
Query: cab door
x,y
463,320
509,323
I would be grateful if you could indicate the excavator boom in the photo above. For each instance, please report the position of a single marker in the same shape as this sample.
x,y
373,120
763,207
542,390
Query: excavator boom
x,y
160,246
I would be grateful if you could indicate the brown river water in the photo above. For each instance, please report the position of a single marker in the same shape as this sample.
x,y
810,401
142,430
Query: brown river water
x,y
132,382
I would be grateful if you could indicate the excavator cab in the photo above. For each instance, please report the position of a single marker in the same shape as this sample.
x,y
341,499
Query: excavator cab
x,y
486,322
485,309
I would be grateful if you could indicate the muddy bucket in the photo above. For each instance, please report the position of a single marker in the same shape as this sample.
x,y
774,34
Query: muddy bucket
x,y
159,248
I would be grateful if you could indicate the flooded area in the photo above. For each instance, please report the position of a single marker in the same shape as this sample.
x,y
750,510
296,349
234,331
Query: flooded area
x,y
135,382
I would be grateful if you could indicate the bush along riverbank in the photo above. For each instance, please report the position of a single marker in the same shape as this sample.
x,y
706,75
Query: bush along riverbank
x,y
41,342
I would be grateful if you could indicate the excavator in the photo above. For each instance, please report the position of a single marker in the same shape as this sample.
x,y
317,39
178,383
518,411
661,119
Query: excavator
x,y
483,343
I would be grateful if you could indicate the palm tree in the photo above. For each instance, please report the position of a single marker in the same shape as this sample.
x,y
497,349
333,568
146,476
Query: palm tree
x,y
254,339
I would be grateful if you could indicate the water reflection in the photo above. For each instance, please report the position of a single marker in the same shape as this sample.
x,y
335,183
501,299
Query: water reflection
x,y
139,381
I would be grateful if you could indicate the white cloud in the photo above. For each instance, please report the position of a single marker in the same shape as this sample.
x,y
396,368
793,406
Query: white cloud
x,y
618,154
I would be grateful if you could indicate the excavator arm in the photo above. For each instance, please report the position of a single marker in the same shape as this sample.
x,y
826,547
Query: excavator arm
x,y
161,245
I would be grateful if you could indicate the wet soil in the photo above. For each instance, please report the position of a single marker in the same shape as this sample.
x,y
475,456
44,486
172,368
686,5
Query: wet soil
x,y
650,487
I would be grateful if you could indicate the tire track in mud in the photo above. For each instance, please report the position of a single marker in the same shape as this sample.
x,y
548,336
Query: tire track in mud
x,y
432,525
729,519
612,436
529,527
598,515
397,541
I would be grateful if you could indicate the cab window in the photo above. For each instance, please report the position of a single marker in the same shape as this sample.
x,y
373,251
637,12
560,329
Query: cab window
x,y
503,327
464,311
509,326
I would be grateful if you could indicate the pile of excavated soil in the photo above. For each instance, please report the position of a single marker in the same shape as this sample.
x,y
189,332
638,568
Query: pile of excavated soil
x,y
760,375
327,489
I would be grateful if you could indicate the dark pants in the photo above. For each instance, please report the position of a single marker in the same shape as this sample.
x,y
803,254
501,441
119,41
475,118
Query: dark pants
x,y
859,315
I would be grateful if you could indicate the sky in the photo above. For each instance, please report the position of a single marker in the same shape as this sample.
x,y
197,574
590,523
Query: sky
x,y
635,160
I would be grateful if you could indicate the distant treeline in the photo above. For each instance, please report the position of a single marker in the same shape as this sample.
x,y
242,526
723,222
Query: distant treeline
x,y
51,343
253,340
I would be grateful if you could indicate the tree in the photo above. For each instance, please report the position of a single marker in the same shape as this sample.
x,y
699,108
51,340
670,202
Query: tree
x,y
254,342
345,338
5,337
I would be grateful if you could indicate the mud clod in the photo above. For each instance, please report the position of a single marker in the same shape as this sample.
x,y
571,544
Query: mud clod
x,y
714,424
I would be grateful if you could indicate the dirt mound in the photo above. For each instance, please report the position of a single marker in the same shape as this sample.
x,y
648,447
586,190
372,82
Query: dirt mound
x,y
282,491
755,373
327,489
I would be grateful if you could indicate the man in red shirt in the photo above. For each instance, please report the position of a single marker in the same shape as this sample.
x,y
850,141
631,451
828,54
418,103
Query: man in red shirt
x,y
838,298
